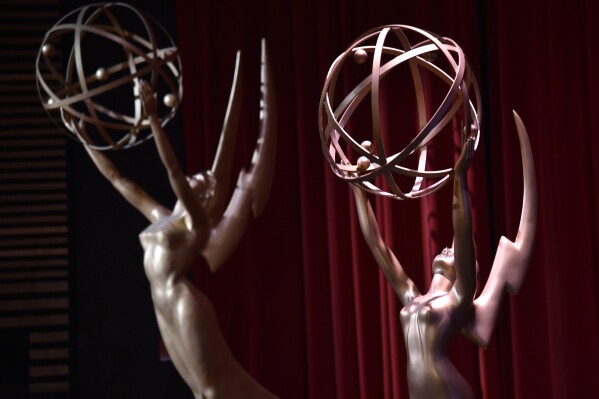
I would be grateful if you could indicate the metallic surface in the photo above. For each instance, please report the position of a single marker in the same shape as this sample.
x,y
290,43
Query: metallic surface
x,y
430,321
512,258
198,226
91,95
457,104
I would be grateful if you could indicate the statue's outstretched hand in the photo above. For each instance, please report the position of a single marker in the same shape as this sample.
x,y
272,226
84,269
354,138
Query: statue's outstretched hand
x,y
78,128
148,99
465,160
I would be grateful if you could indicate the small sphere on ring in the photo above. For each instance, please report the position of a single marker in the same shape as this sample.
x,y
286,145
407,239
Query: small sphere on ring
x,y
170,100
48,50
101,74
362,164
50,101
360,56
367,145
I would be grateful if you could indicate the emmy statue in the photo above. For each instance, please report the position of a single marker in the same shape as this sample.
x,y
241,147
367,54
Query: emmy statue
x,y
204,221
429,320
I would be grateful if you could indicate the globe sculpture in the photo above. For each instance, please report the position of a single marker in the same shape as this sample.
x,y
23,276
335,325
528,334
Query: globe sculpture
x,y
361,163
109,47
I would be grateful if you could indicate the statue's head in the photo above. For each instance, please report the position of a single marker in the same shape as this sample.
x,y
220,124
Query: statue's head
x,y
444,264
203,185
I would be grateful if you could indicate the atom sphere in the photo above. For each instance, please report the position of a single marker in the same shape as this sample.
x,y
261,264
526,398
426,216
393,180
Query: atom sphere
x,y
423,51
112,46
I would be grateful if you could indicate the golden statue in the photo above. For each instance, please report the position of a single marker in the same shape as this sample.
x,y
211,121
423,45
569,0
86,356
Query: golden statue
x,y
198,225
429,321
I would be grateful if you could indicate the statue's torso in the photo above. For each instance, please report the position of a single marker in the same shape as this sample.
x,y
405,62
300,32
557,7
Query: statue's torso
x,y
169,248
428,327
186,318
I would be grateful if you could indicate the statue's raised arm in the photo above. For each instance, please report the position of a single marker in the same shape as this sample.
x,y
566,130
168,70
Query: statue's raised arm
x,y
464,287
512,258
131,191
403,286
178,181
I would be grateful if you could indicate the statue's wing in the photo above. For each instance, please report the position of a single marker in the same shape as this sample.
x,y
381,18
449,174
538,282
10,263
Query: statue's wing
x,y
512,258
259,179
223,161
253,187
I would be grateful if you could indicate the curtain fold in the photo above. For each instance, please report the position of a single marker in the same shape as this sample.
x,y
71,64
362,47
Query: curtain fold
x,y
301,302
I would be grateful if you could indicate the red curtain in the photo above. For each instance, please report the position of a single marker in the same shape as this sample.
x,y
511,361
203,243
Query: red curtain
x,y
301,302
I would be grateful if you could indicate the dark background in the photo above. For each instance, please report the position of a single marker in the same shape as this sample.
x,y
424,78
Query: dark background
x,y
301,302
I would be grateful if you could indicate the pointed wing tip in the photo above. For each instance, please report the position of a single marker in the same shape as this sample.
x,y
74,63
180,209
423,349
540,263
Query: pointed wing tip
x,y
237,61
525,148
517,120
263,48
515,114
264,62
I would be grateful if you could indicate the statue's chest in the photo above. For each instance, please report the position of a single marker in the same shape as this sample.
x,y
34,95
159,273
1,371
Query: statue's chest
x,y
426,310
168,232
